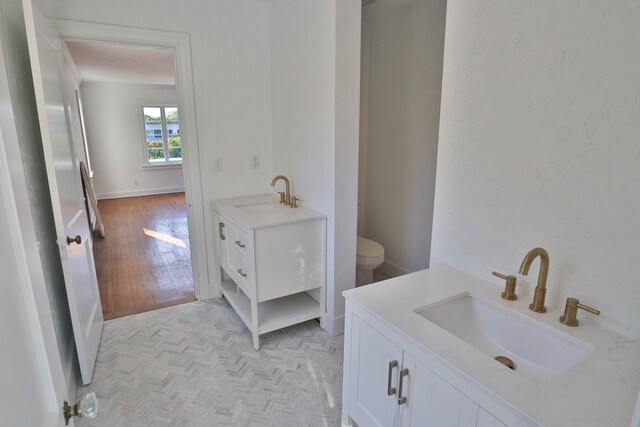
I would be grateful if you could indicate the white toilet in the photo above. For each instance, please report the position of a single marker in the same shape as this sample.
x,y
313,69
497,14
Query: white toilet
x,y
370,255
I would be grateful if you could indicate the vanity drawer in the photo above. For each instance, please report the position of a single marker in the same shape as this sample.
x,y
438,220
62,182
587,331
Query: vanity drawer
x,y
238,264
240,242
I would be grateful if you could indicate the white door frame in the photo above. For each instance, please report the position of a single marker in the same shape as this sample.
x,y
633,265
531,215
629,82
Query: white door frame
x,y
181,45
24,246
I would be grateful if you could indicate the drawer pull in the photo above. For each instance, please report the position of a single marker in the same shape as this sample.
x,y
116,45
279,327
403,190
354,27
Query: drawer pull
x,y
239,243
391,390
241,273
220,232
402,399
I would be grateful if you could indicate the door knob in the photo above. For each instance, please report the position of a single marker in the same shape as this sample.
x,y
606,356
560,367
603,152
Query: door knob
x,y
76,239
87,407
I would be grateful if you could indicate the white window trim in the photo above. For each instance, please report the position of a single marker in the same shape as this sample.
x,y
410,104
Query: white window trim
x,y
146,164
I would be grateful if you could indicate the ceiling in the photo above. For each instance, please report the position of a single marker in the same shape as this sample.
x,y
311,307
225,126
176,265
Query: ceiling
x,y
111,62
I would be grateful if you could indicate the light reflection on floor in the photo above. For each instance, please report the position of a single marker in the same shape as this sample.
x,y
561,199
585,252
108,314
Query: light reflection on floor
x,y
164,237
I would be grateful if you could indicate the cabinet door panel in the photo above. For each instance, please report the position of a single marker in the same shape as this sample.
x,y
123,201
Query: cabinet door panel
x,y
433,402
290,258
371,352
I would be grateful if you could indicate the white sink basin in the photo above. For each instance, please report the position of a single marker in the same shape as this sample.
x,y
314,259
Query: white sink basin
x,y
261,209
537,350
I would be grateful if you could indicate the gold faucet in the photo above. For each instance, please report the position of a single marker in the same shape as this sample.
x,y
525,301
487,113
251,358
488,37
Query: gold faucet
x,y
287,196
541,288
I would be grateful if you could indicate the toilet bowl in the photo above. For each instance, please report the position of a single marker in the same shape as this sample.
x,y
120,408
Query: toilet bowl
x,y
369,256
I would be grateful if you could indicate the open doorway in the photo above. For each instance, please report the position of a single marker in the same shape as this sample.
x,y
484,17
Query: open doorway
x,y
401,77
132,125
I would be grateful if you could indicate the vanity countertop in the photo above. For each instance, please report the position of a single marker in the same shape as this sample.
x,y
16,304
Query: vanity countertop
x,y
600,390
263,211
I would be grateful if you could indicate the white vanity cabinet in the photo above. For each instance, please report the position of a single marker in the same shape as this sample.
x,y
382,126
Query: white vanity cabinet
x,y
389,387
272,261
396,328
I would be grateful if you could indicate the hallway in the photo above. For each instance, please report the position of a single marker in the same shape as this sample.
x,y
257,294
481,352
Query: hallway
x,y
144,262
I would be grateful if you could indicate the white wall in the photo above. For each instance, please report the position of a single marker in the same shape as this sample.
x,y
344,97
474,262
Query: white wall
x,y
314,96
114,135
402,65
302,97
230,53
539,147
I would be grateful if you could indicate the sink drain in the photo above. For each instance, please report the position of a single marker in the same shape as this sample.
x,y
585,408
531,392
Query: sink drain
x,y
506,362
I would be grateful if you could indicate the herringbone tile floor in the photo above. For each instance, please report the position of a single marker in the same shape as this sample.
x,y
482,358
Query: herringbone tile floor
x,y
193,365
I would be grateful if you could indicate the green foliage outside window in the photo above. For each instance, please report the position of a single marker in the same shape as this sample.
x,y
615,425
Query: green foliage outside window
x,y
156,148
175,147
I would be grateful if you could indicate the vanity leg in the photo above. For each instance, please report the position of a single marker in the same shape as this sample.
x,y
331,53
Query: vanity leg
x,y
255,324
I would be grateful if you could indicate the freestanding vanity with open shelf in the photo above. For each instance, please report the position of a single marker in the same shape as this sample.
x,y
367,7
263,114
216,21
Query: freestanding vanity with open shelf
x,y
273,262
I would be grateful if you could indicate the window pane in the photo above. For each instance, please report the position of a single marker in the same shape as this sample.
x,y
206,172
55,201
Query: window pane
x,y
153,130
173,131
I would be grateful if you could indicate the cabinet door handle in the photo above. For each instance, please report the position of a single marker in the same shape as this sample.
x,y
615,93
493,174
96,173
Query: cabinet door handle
x,y
401,399
239,243
220,232
391,390
241,273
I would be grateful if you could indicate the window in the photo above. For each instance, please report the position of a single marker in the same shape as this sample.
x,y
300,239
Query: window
x,y
162,135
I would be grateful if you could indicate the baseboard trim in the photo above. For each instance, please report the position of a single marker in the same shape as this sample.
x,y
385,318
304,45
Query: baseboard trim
x,y
392,270
136,193
334,325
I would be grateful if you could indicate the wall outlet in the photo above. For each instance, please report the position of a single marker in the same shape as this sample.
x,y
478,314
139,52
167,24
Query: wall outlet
x,y
217,164
255,161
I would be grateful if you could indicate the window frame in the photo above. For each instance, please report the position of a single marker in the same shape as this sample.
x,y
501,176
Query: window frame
x,y
167,163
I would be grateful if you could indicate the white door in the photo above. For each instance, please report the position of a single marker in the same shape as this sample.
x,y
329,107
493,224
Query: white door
x,y
375,366
431,401
31,375
67,198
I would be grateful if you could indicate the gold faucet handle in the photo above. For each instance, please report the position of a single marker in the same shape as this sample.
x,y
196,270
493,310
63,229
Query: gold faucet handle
x,y
569,317
282,199
294,202
510,287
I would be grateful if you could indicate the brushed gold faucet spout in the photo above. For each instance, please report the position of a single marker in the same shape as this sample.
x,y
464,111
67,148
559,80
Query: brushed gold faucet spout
x,y
287,187
541,288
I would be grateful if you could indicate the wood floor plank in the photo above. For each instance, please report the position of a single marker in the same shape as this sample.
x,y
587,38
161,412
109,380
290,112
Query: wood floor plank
x,y
144,261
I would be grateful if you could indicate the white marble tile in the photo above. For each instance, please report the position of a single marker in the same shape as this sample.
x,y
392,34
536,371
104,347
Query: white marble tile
x,y
194,365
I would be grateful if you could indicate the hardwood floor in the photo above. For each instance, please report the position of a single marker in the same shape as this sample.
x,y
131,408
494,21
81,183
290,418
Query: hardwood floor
x,y
144,261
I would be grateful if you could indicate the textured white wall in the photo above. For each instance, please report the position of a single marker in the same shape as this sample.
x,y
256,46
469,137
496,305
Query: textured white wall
x,y
230,58
114,135
539,146
314,108
402,63
302,97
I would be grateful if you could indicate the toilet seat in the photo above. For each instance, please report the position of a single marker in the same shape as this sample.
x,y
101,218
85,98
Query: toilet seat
x,y
369,253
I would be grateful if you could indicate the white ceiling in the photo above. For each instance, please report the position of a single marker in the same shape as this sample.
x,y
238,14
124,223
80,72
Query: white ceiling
x,y
110,62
